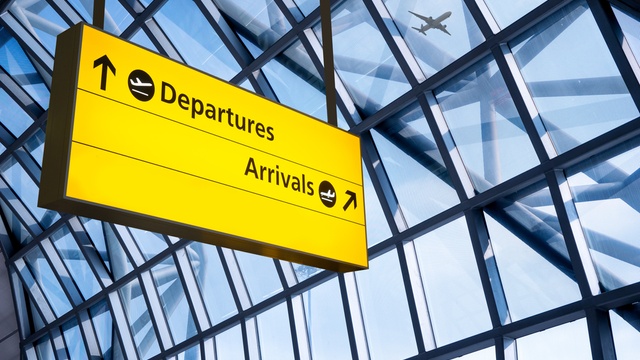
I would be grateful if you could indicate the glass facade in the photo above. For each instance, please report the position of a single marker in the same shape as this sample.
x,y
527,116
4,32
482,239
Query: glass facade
x,y
501,159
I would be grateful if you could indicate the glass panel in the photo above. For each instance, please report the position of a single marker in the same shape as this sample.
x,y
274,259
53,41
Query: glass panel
x,y
435,48
173,300
212,281
304,272
261,21
140,324
12,116
27,190
452,284
35,146
73,340
605,191
530,252
631,28
274,334
18,231
39,18
120,263
116,17
485,125
414,165
324,314
15,62
96,234
296,82
192,353
575,84
44,349
484,354
105,331
193,36
626,332
150,243
385,310
44,275
75,261
568,342
307,6
506,12
377,225
362,58
229,344
260,276
143,40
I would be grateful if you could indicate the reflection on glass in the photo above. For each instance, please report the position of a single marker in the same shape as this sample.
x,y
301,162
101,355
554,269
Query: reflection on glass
x,y
324,314
434,49
15,226
96,234
506,12
116,18
385,310
150,243
73,340
575,84
105,331
626,335
195,39
484,354
377,225
41,20
143,40
296,82
22,184
12,116
274,334
76,263
630,25
452,283
530,252
120,262
35,146
140,324
260,276
46,278
44,349
212,281
173,300
229,344
192,353
414,165
606,195
16,63
485,125
261,21
307,6
362,59
568,342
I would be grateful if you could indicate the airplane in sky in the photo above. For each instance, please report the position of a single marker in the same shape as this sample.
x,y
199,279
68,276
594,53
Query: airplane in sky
x,y
431,23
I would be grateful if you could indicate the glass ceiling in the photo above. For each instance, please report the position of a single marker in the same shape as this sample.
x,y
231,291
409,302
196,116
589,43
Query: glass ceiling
x,y
501,156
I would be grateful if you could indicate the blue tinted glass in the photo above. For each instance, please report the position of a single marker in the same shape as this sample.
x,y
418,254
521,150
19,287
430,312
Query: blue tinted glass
x,y
44,349
73,340
45,276
436,47
229,344
75,261
385,310
325,321
260,276
506,12
15,62
96,234
103,325
173,300
377,225
195,39
39,18
626,335
485,125
150,243
629,24
35,146
12,116
414,165
212,281
575,84
568,342
307,6
139,319
120,262
15,226
143,40
116,18
363,59
274,334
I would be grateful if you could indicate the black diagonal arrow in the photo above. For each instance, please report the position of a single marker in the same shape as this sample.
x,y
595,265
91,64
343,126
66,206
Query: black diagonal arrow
x,y
352,199
106,65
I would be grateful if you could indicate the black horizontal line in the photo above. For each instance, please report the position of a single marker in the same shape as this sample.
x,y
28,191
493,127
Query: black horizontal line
x,y
214,181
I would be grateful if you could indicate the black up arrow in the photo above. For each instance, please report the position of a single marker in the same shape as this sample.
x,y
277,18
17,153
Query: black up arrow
x,y
352,199
106,65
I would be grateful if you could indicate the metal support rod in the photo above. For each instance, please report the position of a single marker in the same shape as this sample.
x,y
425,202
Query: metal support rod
x,y
98,13
327,51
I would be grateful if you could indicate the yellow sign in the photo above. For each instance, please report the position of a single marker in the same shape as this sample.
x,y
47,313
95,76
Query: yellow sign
x,y
139,139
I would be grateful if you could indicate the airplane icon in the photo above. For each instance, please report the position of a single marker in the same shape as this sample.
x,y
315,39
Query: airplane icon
x,y
431,23
328,195
139,83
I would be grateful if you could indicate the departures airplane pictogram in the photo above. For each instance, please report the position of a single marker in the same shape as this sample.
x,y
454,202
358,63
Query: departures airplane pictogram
x,y
431,23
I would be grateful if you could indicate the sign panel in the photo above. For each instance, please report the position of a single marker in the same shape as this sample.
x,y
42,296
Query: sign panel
x,y
138,139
